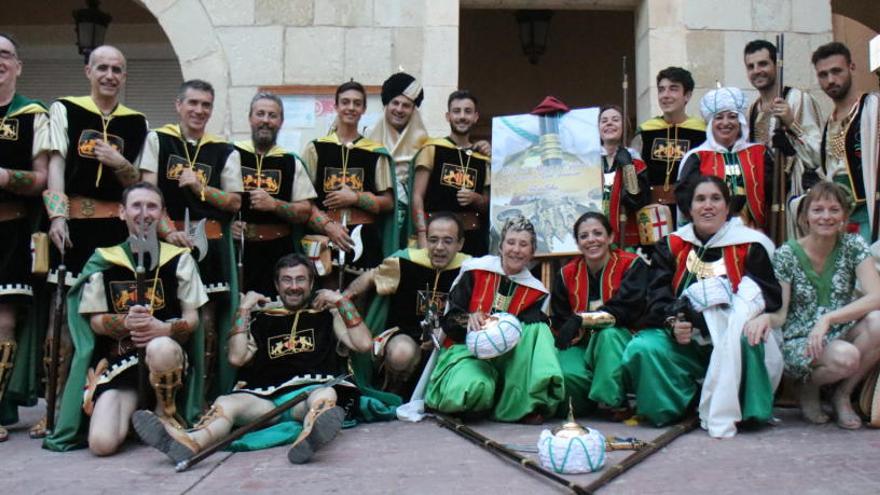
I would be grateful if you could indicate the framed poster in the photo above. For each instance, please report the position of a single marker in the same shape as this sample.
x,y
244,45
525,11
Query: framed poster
x,y
547,168
309,112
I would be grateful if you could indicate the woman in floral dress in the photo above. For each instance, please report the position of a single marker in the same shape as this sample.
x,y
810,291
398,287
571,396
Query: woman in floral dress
x,y
832,336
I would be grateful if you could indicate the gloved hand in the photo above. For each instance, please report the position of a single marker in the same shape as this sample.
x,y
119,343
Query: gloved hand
x,y
780,142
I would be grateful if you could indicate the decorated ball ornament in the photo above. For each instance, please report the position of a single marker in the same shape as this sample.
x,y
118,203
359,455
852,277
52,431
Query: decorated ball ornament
x,y
499,334
571,448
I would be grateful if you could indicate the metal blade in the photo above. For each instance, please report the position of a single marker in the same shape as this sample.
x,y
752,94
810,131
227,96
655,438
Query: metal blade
x,y
358,243
199,238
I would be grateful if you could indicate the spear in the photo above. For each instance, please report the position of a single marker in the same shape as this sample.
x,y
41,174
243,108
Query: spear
x,y
777,205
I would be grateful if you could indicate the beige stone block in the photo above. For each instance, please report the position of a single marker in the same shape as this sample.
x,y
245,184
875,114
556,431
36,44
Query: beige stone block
x,y
187,23
284,12
811,16
314,55
368,54
663,13
254,54
642,19
442,13
717,14
693,106
399,13
705,51
230,12
344,13
433,109
408,45
666,47
771,15
440,57
239,106
799,70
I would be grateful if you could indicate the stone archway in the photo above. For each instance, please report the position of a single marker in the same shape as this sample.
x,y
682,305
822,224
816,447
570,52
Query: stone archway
x,y
192,35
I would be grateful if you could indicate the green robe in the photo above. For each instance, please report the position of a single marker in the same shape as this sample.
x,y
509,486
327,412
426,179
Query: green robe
x,y
71,429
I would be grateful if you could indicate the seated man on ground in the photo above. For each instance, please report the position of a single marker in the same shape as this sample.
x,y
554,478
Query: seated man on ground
x,y
281,352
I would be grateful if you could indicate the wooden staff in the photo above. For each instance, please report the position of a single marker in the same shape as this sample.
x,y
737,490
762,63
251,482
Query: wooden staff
x,y
256,424
505,453
55,352
643,453
777,205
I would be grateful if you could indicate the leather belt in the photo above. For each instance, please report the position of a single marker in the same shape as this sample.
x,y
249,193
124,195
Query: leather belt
x,y
663,197
356,216
266,232
12,211
470,219
213,228
83,207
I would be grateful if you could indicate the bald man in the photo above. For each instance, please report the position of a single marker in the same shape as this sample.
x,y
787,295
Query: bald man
x,y
94,140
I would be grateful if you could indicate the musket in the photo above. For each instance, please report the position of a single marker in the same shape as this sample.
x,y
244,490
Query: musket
x,y
55,353
256,424
505,453
144,242
625,116
777,204
646,449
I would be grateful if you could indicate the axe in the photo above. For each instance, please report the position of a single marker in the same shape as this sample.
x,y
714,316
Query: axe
x,y
144,242
196,234
357,251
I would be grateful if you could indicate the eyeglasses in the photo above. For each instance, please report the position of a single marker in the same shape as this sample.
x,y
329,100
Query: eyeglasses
x,y
8,55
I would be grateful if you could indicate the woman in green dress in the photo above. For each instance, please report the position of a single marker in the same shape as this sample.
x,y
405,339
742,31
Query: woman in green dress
x,y
832,336
596,299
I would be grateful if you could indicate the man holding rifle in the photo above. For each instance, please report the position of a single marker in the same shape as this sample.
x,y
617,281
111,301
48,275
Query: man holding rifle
x,y
281,352
109,325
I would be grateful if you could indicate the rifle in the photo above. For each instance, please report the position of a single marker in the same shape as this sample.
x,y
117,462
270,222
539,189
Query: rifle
x,y
55,352
256,424
777,205
144,242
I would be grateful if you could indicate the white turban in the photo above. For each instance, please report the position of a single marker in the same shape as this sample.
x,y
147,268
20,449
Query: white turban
x,y
726,99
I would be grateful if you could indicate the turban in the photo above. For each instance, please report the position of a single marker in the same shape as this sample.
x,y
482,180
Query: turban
x,y
723,100
402,84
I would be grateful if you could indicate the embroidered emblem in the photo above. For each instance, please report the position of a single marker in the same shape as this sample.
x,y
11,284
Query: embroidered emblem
x,y
285,344
425,299
9,130
458,177
177,163
669,149
268,180
334,179
124,294
88,138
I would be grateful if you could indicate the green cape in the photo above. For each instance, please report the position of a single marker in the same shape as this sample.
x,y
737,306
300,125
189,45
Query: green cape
x,y
71,429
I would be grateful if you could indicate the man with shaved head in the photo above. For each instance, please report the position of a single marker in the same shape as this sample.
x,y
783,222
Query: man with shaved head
x,y
94,140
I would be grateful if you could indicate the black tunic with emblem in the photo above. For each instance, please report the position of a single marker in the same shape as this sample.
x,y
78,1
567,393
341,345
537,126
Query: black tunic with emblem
x,y
360,176
453,171
121,294
415,292
209,159
16,149
664,145
277,172
285,352
126,130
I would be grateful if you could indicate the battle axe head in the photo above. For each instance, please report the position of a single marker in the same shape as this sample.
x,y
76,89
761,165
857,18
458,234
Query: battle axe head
x,y
145,242
196,235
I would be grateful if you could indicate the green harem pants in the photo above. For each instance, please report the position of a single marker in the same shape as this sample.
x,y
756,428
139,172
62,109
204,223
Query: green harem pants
x,y
664,374
592,371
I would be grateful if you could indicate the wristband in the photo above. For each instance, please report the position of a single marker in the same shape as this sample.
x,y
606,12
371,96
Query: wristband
x,y
349,312
56,203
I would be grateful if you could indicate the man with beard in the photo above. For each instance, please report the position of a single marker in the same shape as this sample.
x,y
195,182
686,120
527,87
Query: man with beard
x,y
109,325
281,352
24,136
851,136
95,142
200,173
354,181
277,196
451,176
664,140
775,121
411,284
401,130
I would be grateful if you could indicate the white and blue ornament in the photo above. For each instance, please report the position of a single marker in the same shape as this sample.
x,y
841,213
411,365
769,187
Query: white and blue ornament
x,y
500,334
572,448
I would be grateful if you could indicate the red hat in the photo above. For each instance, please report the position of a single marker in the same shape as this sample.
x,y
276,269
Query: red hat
x,y
551,104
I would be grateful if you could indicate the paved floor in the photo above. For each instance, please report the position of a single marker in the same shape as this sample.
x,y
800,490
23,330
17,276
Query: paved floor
x,y
389,458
